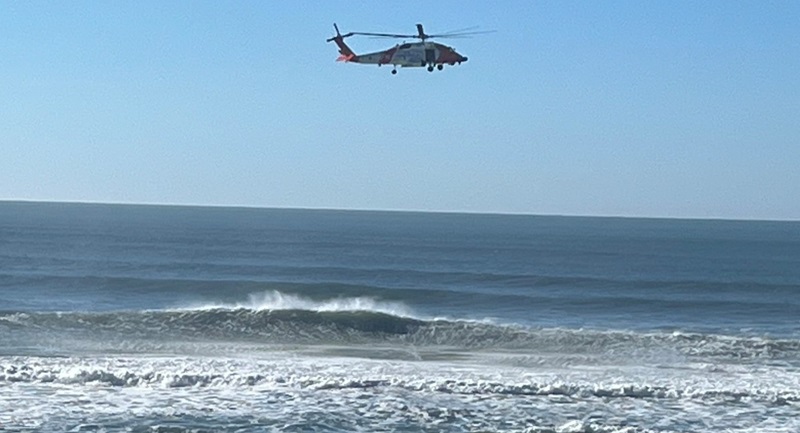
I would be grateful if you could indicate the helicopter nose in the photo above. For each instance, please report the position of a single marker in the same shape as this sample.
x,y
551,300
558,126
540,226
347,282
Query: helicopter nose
x,y
464,58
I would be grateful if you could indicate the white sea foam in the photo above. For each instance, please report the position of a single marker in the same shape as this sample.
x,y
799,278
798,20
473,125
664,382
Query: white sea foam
x,y
247,394
275,300
336,373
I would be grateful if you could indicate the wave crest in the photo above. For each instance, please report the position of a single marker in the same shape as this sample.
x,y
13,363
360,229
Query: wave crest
x,y
277,318
275,301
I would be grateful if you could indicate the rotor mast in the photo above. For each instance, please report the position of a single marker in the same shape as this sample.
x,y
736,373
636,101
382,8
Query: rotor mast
x,y
421,34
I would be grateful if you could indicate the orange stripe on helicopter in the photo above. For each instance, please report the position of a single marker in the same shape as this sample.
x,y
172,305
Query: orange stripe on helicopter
x,y
447,55
387,56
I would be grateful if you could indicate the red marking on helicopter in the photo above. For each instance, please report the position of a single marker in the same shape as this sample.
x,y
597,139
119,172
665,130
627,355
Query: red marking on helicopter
x,y
406,55
387,56
448,55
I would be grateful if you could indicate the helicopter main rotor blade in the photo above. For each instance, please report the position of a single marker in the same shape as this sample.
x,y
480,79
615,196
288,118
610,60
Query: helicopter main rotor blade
x,y
384,35
465,29
422,36
460,34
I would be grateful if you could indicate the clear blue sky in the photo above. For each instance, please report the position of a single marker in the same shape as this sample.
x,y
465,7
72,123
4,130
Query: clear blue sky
x,y
673,109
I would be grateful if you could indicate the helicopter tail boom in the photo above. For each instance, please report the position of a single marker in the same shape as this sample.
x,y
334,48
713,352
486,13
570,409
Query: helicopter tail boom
x,y
347,55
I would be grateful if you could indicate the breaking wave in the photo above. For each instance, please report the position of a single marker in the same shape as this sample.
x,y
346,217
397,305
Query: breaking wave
x,y
274,300
277,318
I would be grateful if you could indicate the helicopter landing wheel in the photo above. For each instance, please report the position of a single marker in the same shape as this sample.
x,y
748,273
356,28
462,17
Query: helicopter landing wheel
x,y
430,68
440,67
394,71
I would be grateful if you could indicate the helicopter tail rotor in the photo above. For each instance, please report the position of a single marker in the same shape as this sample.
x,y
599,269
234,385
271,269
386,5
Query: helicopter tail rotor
x,y
347,55
339,36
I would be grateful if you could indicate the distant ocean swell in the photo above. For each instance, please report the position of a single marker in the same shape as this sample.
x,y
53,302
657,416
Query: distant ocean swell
x,y
124,276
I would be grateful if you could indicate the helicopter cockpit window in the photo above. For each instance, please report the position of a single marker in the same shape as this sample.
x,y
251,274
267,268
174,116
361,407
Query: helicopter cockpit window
x,y
405,46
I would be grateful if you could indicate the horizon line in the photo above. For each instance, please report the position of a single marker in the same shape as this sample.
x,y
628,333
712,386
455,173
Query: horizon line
x,y
393,210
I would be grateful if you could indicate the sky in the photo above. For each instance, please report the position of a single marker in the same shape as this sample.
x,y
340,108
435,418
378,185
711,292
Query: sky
x,y
616,108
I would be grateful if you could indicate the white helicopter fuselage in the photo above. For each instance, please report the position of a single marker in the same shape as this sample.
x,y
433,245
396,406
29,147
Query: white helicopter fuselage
x,y
409,55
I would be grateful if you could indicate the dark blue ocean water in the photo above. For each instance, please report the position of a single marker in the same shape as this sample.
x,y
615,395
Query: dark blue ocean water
x,y
163,318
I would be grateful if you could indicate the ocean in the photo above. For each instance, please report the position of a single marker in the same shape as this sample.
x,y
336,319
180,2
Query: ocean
x,y
137,318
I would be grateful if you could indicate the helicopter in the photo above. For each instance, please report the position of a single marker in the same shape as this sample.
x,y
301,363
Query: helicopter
x,y
407,55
